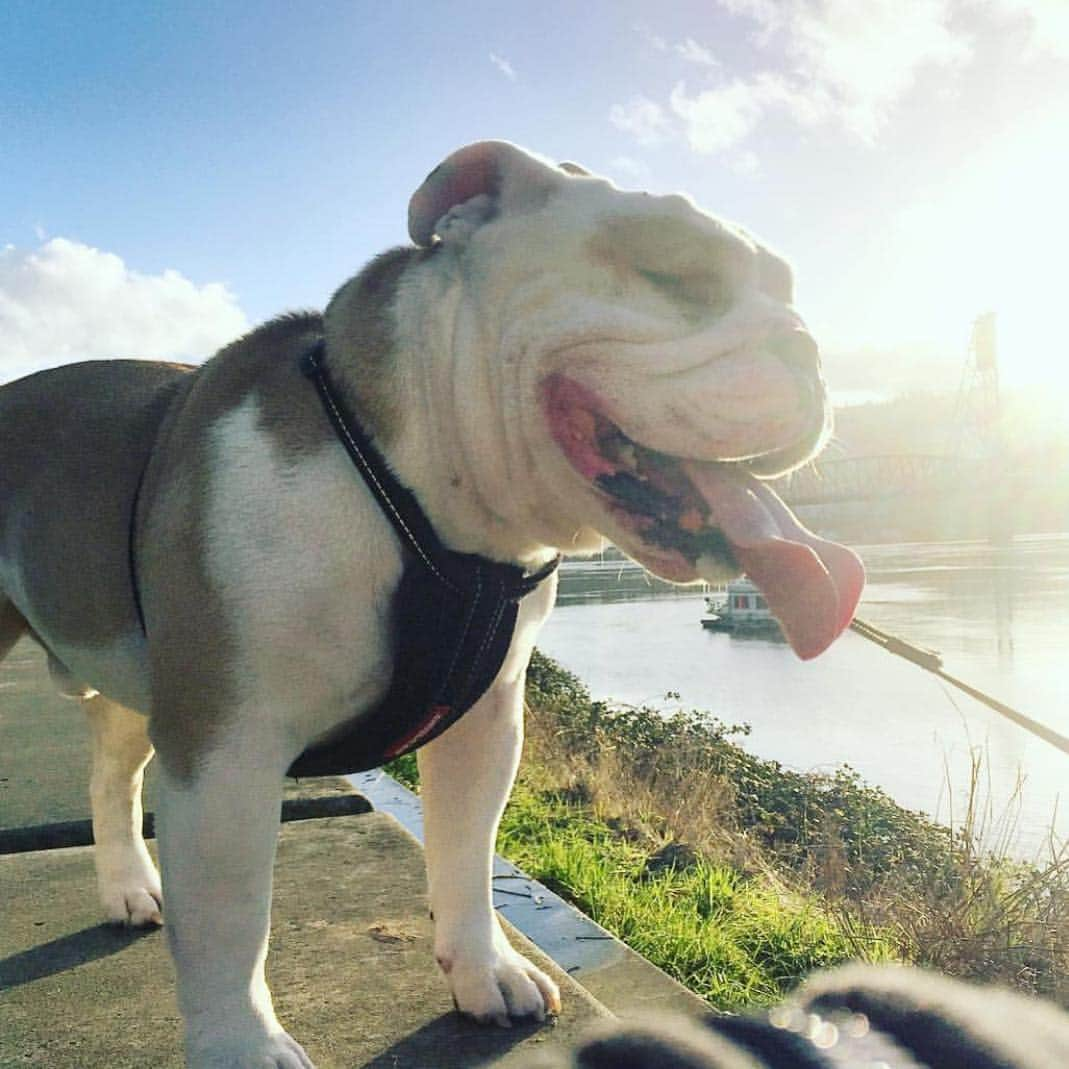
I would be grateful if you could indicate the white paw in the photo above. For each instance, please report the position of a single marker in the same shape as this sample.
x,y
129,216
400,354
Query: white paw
x,y
129,888
500,986
257,1051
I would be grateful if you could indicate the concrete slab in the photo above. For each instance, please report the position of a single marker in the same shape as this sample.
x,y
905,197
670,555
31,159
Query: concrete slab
x,y
351,965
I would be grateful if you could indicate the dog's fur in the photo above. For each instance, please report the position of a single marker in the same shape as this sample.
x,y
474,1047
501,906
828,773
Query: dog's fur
x,y
856,1017
265,570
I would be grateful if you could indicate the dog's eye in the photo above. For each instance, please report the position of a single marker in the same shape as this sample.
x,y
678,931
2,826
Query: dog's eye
x,y
699,290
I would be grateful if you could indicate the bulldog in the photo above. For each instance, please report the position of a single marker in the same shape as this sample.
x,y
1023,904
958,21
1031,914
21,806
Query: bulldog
x,y
552,363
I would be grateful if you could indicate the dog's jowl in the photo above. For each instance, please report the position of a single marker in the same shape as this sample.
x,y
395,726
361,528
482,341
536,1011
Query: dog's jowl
x,y
221,561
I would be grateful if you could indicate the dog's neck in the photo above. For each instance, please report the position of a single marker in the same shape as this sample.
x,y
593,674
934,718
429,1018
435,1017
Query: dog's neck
x,y
420,405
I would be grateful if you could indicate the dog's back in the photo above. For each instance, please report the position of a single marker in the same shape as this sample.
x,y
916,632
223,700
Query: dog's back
x,y
74,442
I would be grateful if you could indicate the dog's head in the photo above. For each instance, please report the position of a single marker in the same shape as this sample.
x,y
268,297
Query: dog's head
x,y
647,369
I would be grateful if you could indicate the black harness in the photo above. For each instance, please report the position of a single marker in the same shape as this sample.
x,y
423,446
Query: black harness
x,y
454,615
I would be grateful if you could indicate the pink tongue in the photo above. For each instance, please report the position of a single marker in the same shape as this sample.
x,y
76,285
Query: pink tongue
x,y
812,585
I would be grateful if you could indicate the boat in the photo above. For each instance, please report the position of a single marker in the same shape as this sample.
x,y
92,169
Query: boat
x,y
740,608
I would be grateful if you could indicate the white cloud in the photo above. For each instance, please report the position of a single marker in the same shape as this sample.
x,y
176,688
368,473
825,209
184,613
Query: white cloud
x,y
643,118
717,119
66,301
808,105
693,52
1048,22
865,56
504,66
843,61
853,60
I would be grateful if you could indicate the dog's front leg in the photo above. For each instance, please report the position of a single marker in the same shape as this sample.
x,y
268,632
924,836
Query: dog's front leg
x,y
218,831
465,776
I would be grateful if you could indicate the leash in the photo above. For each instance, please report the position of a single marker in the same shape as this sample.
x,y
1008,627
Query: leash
x,y
931,661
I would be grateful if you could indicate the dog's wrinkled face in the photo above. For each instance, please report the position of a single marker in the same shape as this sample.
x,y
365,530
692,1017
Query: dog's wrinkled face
x,y
655,349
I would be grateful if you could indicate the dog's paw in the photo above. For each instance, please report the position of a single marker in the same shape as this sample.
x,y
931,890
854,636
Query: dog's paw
x,y
130,891
134,907
277,1051
499,987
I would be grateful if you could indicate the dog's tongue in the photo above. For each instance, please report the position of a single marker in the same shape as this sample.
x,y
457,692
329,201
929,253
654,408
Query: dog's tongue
x,y
812,586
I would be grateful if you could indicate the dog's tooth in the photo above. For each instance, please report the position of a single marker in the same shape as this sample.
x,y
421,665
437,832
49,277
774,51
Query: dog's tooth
x,y
584,423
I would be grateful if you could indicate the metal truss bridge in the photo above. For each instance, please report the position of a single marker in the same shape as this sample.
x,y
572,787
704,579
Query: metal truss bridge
x,y
871,478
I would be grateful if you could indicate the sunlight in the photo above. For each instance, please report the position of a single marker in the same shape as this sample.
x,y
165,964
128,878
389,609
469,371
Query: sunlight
x,y
995,237
1031,242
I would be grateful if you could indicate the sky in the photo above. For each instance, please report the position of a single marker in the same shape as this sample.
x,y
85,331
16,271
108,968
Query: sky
x,y
173,174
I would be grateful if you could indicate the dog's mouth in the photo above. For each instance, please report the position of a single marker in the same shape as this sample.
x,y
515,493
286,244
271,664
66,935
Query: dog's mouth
x,y
687,519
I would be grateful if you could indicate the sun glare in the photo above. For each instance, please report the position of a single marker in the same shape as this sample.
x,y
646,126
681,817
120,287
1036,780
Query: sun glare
x,y
993,237
1026,260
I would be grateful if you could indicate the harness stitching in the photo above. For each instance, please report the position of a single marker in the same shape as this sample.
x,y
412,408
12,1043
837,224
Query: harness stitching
x,y
338,420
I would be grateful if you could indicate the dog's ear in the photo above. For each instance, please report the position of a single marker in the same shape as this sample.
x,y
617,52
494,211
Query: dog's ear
x,y
476,184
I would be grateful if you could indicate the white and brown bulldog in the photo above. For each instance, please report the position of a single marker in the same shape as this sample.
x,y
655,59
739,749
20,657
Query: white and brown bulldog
x,y
554,362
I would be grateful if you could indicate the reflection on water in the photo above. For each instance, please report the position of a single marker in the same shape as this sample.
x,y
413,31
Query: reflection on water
x,y
998,615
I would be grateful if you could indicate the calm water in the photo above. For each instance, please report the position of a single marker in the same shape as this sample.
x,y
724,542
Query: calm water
x,y
1000,617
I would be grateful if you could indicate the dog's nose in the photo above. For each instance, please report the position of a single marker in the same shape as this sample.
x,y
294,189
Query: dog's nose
x,y
797,349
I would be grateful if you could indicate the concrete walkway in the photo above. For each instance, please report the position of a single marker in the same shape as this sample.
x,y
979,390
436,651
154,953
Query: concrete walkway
x,y
351,965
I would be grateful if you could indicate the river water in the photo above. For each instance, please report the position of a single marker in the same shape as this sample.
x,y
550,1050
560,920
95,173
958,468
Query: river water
x,y
999,616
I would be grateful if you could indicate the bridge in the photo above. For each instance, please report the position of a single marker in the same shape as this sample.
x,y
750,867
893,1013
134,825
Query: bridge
x,y
871,478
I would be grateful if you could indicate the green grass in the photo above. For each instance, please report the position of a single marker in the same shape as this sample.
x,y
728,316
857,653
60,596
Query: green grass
x,y
735,940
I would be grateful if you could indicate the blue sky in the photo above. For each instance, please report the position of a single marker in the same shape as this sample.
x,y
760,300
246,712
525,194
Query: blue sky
x,y
172,173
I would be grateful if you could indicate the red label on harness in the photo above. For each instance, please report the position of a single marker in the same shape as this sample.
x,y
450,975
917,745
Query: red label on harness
x,y
437,714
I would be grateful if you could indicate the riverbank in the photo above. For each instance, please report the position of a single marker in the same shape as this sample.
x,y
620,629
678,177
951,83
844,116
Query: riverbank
x,y
997,615
738,876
